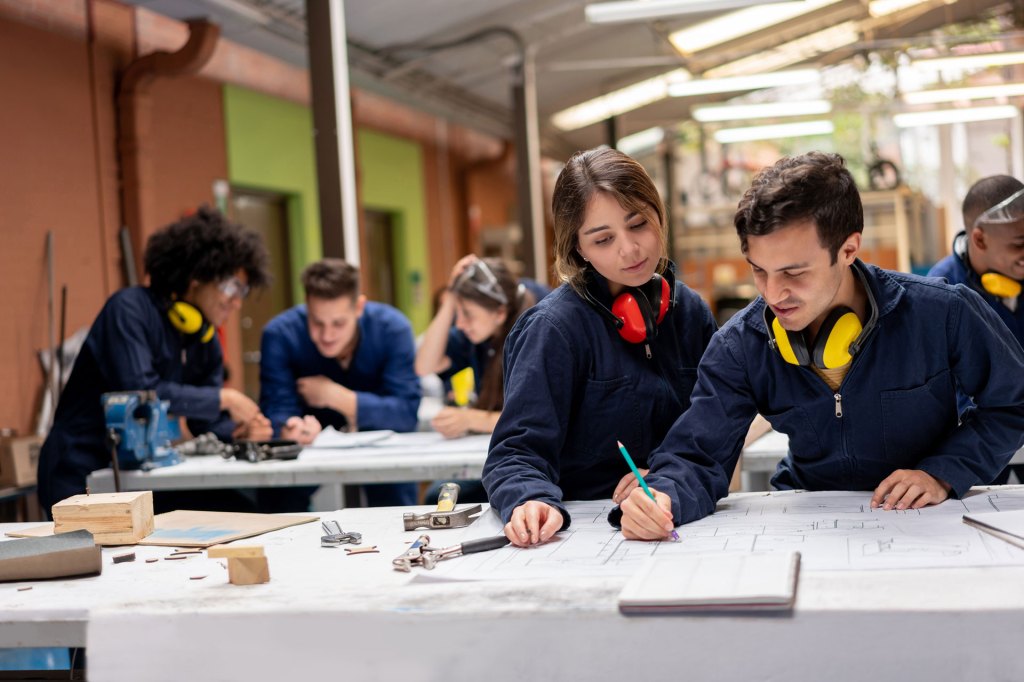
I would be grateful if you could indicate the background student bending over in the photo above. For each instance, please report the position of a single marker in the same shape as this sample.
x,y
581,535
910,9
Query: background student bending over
x,y
482,302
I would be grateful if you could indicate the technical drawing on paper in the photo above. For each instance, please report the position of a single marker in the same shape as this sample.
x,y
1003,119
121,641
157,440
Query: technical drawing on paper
x,y
832,530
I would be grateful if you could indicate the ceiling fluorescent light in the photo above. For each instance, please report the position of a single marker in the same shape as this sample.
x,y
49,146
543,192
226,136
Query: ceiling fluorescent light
x,y
972,61
882,8
793,52
641,10
961,94
946,116
707,86
739,112
774,132
641,142
618,102
740,23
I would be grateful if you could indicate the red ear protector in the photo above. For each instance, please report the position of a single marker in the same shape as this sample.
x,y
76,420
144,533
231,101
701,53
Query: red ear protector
x,y
637,311
190,321
840,337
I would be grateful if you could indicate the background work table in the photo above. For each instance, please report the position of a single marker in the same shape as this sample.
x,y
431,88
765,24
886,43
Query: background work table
x,y
327,614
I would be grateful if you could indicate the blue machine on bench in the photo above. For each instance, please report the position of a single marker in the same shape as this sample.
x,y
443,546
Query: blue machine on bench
x,y
139,428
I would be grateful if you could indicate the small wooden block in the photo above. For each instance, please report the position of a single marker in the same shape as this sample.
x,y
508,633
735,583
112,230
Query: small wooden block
x,y
235,552
112,518
248,570
122,558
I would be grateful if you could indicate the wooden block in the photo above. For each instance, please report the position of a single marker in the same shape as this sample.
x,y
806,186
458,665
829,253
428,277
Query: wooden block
x,y
112,518
248,570
235,552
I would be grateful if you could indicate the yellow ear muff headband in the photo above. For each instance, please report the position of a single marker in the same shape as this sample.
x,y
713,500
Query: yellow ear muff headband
x,y
187,319
840,337
1000,285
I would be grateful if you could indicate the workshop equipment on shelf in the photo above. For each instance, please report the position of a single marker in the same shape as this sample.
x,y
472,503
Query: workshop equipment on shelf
x,y
445,516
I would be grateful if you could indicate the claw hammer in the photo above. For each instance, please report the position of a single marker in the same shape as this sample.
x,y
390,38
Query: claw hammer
x,y
445,516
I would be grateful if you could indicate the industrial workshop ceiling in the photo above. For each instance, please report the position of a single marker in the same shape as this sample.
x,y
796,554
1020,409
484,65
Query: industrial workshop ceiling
x,y
575,60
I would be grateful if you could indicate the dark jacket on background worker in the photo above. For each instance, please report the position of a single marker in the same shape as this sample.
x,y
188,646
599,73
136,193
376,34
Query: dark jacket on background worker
x,y
955,271
573,387
131,346
382,371
895,409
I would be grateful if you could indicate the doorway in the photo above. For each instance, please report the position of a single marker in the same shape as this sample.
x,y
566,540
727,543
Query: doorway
x,y
379,274
266,214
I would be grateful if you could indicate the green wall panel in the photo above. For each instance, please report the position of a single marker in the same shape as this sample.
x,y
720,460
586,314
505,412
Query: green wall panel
x,y
270,148
391,180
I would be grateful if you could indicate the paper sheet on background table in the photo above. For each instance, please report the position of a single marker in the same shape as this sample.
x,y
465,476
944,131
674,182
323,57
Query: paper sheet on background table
x,y
332,438
831,530
417,442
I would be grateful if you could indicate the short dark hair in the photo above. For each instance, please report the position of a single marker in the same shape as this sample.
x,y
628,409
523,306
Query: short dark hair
x,y
986,193
814,186
203,247
331,278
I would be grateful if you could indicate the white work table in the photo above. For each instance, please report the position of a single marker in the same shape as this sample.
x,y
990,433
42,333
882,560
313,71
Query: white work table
x,y
329,615
422,456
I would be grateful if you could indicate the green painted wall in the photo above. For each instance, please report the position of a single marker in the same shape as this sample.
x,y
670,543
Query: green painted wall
x,y
270,147
391,180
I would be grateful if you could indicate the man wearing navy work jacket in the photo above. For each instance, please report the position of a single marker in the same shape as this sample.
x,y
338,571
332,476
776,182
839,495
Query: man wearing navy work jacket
x,y
343,362
988,256
859,366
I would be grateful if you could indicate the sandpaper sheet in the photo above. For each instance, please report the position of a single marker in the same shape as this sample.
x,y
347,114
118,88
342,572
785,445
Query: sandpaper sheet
x,y
57,556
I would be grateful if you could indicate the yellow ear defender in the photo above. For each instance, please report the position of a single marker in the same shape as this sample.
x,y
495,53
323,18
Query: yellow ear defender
x,y
838,340
1000,285
831,347
188,319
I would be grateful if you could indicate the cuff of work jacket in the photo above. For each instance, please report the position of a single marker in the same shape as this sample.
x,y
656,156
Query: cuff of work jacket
x,y
615,517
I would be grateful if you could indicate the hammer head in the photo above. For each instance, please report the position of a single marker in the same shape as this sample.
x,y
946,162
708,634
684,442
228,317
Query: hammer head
x,y
435,519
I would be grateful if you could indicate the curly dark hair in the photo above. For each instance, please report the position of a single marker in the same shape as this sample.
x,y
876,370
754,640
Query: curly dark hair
x,y
203,247
815,186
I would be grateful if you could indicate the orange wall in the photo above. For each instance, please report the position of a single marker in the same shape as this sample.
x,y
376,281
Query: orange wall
x,y
58,141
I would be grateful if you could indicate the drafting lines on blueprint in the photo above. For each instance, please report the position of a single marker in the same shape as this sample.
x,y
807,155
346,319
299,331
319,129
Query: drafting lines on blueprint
x,y
832,530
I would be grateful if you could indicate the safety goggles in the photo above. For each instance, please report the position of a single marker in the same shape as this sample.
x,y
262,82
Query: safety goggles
x,y
1009,210
232,287
480,276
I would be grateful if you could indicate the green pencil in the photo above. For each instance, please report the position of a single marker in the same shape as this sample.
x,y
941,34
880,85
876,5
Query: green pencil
x,y
640,479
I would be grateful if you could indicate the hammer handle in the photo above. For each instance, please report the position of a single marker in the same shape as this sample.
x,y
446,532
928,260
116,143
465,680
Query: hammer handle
x,y
447,497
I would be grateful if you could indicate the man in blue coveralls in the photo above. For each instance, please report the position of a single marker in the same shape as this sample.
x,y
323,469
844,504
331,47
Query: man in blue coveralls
x,y
988,256
859,366
340,361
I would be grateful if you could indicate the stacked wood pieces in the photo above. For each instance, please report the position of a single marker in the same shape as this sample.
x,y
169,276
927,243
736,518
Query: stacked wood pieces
x,y
112,518
247,565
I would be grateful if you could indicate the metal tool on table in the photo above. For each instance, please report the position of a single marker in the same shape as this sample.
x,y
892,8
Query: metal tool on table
x,y
335,537
420,553
139,431
445,516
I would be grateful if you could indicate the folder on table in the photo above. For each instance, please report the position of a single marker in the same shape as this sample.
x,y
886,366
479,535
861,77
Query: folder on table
x,y
724,582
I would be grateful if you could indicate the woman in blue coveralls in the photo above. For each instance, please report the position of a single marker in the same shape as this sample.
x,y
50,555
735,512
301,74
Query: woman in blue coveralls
x,y
481,304
609,356
162,337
